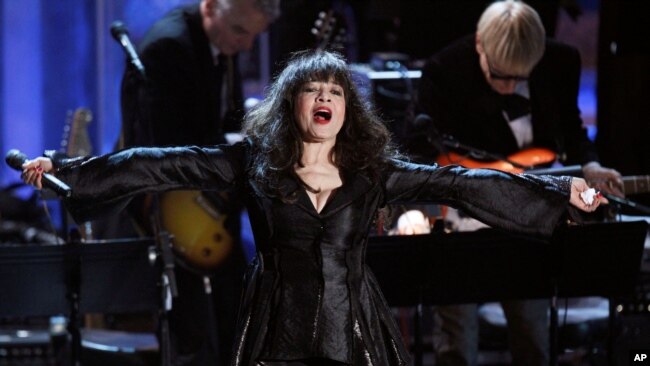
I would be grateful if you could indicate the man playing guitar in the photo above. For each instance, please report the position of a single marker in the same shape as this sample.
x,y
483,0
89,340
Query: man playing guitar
x,y
503,89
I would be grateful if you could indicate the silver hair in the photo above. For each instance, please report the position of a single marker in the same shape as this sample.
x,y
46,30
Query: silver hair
x,y
270,8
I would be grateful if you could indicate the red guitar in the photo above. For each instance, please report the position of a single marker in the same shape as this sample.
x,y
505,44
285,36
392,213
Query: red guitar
x,y
534,157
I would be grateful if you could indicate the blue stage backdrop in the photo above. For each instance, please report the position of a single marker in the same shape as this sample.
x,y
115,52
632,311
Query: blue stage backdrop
x,y
57,56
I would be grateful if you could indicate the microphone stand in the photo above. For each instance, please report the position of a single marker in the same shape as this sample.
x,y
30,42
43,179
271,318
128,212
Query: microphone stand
x,y
73,295
168,289
135,74
627,203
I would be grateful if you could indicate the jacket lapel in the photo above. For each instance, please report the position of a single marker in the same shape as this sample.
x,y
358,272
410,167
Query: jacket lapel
x,y
354,186
289,186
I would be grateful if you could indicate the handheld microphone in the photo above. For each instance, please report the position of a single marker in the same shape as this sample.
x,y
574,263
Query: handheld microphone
x,y
16,159
121,35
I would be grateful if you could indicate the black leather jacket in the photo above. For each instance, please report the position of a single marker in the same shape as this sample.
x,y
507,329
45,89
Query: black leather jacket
x,y
309,292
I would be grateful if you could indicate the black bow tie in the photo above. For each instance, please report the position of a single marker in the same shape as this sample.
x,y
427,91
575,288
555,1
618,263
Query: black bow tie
x,y
514,105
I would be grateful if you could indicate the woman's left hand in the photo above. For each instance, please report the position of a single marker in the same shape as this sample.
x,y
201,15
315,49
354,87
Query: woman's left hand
x,y
579,185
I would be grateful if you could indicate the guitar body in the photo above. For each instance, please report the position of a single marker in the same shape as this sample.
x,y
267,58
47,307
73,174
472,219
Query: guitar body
x,y
529,157
200,237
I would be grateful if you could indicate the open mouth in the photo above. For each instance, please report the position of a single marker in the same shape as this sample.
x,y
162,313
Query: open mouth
x,y
322,115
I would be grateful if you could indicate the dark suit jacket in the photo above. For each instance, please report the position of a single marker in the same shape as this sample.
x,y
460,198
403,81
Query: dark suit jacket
x,y
179,104
454,92
310,293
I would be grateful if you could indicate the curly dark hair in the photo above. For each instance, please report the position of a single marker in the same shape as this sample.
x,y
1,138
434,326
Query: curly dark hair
x,y
363,144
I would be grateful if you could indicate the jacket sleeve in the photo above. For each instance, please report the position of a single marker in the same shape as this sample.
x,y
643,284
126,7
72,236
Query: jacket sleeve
x,y
528,204
105,184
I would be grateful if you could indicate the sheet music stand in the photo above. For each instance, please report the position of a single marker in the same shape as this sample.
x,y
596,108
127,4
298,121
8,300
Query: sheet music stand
x,y
114,276
489,265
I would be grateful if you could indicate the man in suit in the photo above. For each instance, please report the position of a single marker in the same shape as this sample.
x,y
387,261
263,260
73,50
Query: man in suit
x,y
192,95
501,90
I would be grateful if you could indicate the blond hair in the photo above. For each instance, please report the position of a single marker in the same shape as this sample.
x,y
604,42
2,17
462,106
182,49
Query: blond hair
x,y
512,36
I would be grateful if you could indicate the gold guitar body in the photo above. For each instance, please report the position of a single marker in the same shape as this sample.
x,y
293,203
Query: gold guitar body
x,y
200,237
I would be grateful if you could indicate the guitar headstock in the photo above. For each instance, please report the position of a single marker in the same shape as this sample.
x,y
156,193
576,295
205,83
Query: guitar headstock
x,y
76,141
329,31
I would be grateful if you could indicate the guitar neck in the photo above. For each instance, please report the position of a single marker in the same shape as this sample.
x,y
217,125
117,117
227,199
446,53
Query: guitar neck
x,y
636,184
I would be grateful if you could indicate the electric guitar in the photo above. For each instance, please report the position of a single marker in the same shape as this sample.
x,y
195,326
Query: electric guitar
x,y
636,184
76,142
533,158
196,221
329,31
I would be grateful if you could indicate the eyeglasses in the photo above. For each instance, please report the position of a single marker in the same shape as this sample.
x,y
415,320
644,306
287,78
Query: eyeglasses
x,y
495,75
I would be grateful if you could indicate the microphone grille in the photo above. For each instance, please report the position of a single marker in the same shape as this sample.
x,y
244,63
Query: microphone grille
x,y
15,159
117,29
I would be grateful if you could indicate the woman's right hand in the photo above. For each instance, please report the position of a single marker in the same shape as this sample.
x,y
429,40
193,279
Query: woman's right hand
x,y
33,171
579,185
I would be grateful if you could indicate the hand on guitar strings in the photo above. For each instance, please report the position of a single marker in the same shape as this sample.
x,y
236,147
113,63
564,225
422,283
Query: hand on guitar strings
x,y
604,179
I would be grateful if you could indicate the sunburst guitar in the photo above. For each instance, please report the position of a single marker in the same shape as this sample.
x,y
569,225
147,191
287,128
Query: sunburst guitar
x,y
197,225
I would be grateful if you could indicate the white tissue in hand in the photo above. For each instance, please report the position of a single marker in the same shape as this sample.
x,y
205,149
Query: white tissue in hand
x,y
588,196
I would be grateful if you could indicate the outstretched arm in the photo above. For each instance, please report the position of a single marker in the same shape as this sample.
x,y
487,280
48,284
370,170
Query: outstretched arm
x,y
105,184
521,203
